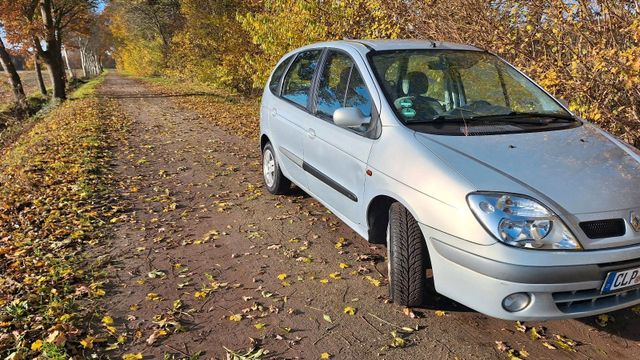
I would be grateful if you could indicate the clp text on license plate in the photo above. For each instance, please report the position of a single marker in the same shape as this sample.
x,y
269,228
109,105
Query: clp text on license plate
x,y
618,280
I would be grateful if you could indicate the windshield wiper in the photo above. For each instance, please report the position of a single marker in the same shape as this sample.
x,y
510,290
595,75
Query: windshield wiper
x,y
524,118
512,118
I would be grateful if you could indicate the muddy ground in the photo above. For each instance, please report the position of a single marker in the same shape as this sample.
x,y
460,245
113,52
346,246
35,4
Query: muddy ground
x,y
254,270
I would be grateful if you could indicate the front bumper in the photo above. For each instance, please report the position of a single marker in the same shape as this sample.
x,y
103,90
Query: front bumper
x,y
557,291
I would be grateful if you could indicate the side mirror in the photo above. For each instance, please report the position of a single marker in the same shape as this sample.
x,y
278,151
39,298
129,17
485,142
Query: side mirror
x,y
349,117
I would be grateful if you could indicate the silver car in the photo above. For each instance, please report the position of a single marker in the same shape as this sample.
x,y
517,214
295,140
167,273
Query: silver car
x,y
462,164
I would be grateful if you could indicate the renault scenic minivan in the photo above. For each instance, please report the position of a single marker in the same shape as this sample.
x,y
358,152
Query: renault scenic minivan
x,y
462,164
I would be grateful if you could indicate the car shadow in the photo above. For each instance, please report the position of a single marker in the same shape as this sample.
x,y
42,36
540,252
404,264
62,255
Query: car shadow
x,y
623,323
297,192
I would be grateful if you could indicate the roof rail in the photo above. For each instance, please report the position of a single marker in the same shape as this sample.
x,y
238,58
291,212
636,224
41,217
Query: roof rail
x,y
360,42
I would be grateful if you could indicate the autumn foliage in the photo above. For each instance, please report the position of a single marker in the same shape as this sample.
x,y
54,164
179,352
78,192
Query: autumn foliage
x,y
54,205
585,51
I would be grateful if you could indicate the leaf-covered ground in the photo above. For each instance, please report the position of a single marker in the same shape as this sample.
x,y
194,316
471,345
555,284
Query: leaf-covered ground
x,y
134,225
205,264
55,200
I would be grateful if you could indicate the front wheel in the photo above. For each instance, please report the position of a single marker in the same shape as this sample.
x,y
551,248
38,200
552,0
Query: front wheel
x,y
407,252
274,180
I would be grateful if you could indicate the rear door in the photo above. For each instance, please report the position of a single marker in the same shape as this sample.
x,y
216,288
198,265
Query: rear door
x,y
290,115
335,158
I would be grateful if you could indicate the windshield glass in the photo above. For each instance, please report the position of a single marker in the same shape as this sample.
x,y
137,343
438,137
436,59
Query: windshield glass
x,y
447,88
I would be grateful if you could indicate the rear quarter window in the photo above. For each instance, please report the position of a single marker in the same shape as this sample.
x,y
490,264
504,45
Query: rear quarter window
x,y
274,84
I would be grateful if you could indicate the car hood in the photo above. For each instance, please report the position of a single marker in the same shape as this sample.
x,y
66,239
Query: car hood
x,y
582,170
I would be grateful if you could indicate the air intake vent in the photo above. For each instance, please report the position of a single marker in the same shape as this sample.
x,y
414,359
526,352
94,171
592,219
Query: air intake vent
x,y
603,228
488,129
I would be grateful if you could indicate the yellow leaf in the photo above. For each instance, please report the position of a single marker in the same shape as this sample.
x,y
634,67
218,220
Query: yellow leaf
x,y
349,310
604,319
200,294
153,297
87,342
137,356
325,355
344,266
107,320
282,276
36,345
235,317
260,326
324,281
373,281
440,313
335,275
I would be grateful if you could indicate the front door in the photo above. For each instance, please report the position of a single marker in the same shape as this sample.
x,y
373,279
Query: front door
x,y
335,158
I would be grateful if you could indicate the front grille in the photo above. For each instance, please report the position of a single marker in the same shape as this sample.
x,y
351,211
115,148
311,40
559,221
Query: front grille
x,y
603,228
570,302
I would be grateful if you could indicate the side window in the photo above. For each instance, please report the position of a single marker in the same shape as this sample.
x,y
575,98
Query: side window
x,y
341,85
297,82
274,84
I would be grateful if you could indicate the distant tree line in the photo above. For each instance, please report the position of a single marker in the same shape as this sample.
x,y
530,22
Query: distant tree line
x,y
587,51
44,31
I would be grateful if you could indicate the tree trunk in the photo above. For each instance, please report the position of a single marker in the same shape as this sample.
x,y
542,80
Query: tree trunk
x,y
66,61
52,56
38,68
56,72
14,78
83,61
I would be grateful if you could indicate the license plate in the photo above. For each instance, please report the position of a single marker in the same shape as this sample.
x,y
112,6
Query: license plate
x,y
618,280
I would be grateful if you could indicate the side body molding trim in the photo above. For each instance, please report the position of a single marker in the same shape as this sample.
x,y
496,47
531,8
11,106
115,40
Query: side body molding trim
x,y
318,174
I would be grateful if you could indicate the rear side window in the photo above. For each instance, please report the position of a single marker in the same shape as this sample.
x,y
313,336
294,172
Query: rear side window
x,y
341,86
274,85
297,82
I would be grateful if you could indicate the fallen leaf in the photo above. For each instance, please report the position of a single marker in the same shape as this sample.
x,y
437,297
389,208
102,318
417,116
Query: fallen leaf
x,y
136,356
36,345
349,310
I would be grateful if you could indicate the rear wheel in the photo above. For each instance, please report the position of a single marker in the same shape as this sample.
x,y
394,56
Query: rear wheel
x,y
407,253
274,180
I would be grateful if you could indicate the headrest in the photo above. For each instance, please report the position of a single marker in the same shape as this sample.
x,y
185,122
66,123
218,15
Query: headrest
x,y
418,83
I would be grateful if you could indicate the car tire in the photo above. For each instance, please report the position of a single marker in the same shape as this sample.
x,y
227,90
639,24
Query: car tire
x,y
274,180
407,256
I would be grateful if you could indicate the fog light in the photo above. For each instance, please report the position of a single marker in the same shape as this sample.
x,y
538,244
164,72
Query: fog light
x,y
516,302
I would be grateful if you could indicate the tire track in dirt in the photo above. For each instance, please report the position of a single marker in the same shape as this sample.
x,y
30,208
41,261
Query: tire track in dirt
x,y
199,228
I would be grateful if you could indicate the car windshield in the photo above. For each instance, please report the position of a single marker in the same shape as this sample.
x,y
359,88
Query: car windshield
x,y
453,92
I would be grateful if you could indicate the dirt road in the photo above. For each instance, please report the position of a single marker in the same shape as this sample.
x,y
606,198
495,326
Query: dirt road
x,y
203,258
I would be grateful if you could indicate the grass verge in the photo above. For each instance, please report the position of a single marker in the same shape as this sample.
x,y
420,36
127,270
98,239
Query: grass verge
x,y
54,207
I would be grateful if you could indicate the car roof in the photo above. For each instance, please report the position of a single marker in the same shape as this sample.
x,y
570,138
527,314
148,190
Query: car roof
x,y
395,44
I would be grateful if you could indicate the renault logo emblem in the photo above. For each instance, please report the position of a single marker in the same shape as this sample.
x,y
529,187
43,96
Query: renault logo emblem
x,y
635,221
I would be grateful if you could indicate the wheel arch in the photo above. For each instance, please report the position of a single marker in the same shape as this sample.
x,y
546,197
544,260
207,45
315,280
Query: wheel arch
x,y
378,216
264,139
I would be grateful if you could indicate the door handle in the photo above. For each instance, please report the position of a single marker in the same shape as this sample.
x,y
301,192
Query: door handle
x,y
311,133
274,112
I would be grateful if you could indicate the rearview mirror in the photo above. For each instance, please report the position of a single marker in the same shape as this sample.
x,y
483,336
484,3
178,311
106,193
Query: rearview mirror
x,y
349,117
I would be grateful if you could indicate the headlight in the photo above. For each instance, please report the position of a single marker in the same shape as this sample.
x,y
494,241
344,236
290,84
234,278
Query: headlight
x,y
521,222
